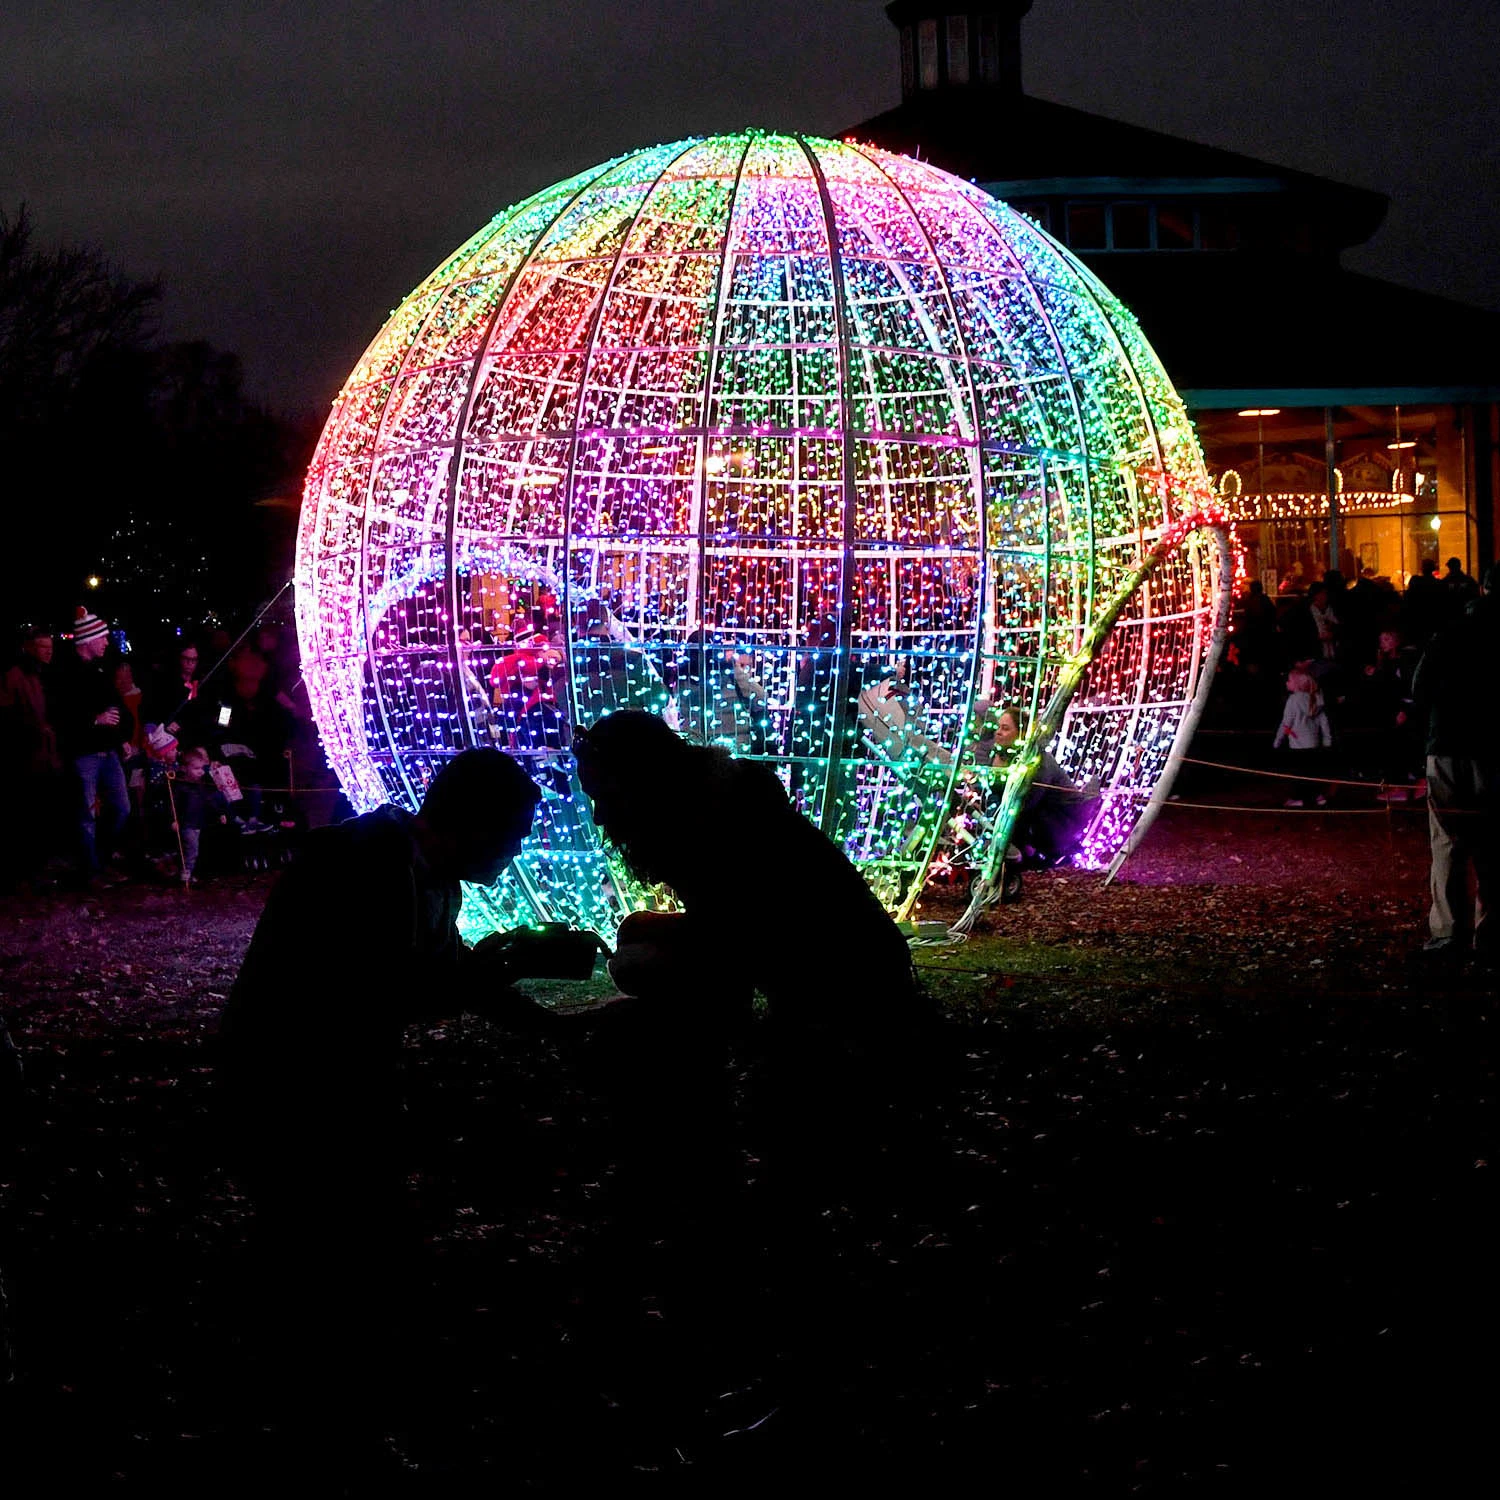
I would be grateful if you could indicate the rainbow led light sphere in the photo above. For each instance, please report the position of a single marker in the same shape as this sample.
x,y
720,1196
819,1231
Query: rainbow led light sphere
x,y
735,423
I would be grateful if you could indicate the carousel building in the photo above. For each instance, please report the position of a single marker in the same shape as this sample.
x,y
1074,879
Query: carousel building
x,y
1347,422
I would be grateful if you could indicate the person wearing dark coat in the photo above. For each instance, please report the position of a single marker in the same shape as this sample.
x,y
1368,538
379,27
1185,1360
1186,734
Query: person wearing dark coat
x,y
358,940
30,765
1459,590
722,834
841,1072
93,727
1424,605
1056,814
173,699
1452,684
1257,629
770,905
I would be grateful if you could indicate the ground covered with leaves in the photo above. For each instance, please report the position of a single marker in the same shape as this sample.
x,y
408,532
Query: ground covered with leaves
x,y
1205,1213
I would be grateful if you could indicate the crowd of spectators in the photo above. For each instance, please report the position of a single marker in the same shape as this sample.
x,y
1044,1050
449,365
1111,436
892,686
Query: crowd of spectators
x,y
120,763
1327,675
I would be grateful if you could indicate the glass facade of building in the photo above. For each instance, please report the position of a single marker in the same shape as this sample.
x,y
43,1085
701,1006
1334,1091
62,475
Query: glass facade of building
x,y
1369,490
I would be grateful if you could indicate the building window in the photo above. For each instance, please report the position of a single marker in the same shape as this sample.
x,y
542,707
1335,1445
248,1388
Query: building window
x,y
958,49
1130,226
1216,231
989,50
1088,226
1174,227
908,60
1147,226
1399,490
927,52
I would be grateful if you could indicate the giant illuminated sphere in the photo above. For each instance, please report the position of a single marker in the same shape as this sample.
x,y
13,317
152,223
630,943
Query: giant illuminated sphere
x,y
735,424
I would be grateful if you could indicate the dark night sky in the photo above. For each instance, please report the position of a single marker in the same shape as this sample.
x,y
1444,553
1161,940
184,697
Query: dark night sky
x,y
291,170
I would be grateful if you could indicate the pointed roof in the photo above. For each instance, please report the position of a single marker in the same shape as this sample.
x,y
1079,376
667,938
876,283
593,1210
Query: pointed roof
x,y
1021,146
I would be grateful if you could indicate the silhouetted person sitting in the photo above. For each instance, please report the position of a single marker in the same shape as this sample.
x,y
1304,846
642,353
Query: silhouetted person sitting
x,y
357,940
770,905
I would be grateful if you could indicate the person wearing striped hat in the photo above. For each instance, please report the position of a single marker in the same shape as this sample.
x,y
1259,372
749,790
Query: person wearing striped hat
x,y
94,725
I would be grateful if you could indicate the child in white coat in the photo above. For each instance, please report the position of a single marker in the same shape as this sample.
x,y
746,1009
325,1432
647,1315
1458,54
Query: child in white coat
x,y
1304,723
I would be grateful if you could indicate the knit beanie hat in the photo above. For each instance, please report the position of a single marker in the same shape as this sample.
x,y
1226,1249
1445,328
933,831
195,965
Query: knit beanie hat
x,y
87,626
161,740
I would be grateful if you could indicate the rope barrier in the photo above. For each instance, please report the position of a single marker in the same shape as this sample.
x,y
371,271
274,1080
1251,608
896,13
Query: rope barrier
x,y
1217,765
296,791
1269,729
1280,812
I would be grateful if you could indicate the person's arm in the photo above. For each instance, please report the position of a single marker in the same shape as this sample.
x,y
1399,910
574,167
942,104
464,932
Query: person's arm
x,y
485,988
1051,776
1285,729
488,973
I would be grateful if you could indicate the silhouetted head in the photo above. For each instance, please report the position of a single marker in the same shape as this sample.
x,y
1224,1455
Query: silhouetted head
x,y
1455,566
656,796
628,759
1429,566
476,815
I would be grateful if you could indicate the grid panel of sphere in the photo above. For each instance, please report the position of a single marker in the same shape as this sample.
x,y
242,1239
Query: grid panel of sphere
x,y
729,429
